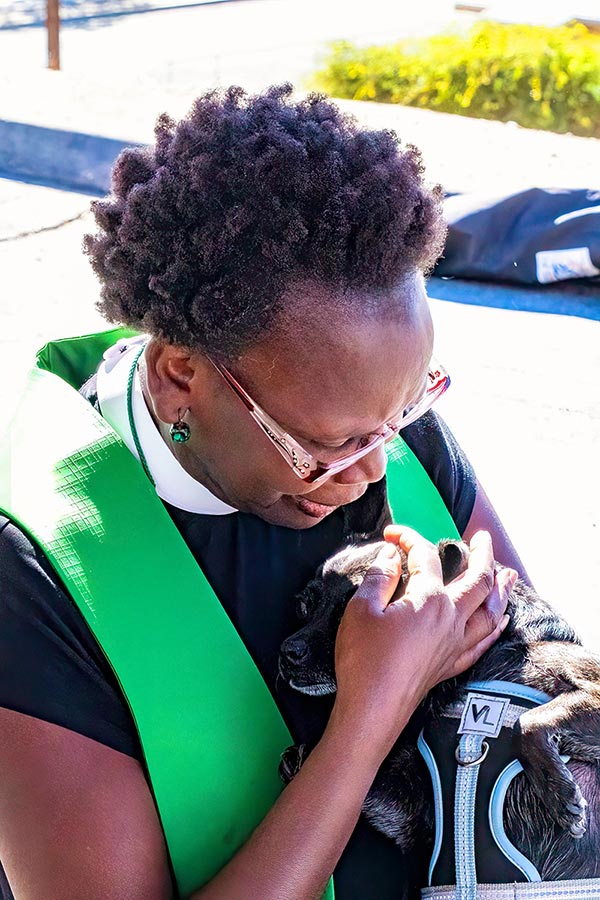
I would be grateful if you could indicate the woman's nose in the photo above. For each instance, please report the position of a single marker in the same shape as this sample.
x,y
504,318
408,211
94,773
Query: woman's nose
x,y
370,468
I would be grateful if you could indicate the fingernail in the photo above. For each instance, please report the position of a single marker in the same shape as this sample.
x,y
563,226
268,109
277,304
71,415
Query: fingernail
x,y
504,622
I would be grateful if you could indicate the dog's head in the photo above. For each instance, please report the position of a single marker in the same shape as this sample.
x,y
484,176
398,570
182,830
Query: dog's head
x,y
306,659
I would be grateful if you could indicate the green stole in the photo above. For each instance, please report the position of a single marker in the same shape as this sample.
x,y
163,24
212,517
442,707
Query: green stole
x,y
209,729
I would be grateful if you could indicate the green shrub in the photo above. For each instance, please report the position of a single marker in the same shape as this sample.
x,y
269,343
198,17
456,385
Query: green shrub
x,y
539,77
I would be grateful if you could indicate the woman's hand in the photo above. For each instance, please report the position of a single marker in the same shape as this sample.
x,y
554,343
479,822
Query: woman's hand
x,y
390,652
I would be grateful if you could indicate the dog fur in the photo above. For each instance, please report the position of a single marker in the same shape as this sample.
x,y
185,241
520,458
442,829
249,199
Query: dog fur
x,y
552,811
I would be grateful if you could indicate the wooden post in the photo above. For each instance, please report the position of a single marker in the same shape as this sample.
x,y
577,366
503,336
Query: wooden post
x,y
53,25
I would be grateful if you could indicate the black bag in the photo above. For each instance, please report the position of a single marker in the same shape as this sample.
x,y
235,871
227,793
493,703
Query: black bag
x,y
534,236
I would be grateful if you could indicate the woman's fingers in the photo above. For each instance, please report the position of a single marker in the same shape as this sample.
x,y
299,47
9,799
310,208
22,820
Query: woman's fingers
x,y
470,656
382,577
474,586
478,597
484,622
422,557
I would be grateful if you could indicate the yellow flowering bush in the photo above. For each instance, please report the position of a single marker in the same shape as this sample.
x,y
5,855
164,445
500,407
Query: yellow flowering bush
x,y
539,77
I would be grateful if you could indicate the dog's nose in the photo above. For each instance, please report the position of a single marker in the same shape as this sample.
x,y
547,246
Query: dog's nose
x,y
295,650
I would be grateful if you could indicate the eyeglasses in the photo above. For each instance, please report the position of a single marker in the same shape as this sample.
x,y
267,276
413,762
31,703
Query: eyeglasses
x,y
308,467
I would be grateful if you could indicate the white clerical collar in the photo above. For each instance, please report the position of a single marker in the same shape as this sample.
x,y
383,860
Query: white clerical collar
x,y
173,483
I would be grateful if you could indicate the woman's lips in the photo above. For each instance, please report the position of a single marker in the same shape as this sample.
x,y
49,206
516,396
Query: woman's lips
x,y
312,509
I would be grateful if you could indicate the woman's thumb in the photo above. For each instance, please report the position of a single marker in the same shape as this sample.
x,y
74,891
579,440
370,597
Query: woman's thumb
x,y
382,577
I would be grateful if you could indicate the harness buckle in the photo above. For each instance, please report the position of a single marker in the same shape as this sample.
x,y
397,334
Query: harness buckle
x,y
485,747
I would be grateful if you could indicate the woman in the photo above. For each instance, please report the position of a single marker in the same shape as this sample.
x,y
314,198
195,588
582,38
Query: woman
x,y
274,252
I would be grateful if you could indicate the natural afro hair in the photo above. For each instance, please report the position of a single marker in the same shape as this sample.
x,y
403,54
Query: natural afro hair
x,y
204,231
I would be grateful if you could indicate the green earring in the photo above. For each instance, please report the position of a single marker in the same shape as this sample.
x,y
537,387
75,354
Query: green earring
x,y
180,430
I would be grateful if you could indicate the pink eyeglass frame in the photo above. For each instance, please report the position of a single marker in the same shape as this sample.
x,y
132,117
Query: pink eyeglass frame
x,y
304,464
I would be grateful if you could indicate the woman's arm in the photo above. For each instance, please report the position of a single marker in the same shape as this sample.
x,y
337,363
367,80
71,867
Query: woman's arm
x,y
485,518
77,819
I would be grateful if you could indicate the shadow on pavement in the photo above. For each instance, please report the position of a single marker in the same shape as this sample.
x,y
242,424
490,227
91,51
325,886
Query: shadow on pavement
x,y
68,160
15,14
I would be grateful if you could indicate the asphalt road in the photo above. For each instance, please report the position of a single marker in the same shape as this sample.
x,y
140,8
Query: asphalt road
x,y
524,403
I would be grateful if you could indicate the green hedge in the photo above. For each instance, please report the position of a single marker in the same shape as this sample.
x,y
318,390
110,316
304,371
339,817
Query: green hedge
x,y
539,77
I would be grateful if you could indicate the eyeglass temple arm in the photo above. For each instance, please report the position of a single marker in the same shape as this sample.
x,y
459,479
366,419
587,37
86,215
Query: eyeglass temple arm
x,y
257,412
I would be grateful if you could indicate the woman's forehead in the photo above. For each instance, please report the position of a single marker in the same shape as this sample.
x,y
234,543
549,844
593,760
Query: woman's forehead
x,y
335,372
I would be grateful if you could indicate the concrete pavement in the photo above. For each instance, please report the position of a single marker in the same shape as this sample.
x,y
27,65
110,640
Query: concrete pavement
x,y
119,74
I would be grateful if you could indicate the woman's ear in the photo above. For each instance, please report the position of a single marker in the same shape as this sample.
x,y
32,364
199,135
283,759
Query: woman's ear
x,y
171,375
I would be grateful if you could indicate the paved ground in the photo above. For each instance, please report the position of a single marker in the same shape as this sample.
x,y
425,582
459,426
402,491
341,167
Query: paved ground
x,y
118,74
525,399
163,59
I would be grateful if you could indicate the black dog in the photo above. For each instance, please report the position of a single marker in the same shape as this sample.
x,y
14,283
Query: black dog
x,y
552,812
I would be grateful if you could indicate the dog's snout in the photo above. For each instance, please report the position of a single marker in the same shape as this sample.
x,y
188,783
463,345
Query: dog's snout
x,y
295,650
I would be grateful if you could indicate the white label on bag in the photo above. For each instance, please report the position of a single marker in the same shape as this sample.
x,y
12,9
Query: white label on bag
x,y
483,714
559,265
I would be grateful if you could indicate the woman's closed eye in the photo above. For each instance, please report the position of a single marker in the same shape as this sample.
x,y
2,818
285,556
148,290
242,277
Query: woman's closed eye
x,y
350,445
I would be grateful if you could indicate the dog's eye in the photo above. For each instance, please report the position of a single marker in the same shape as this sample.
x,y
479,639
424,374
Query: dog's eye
x,y
304,607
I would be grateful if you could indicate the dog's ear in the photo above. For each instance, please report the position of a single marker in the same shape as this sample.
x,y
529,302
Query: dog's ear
x,y
366,518
454,557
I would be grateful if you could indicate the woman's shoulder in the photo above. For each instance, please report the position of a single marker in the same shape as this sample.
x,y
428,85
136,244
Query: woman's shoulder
x,y
50,665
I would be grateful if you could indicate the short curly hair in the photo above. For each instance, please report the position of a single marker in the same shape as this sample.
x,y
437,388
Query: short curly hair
x,y
204,231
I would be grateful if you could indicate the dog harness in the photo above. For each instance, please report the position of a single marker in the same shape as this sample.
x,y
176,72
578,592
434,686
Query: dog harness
x,y
195,694
471,754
